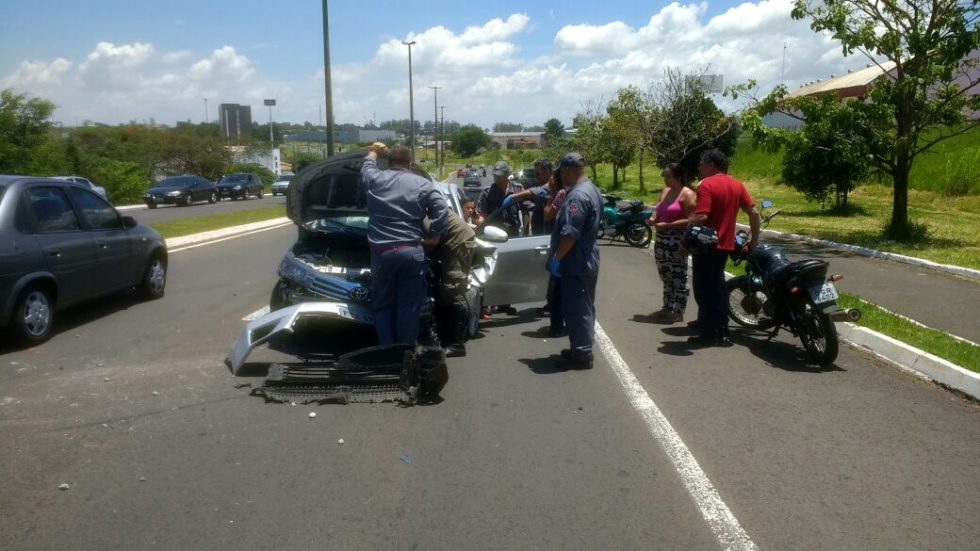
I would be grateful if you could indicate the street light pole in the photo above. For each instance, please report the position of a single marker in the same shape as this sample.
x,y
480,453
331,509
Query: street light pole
x,y
442,132
272,144
326,80
411,101
435,125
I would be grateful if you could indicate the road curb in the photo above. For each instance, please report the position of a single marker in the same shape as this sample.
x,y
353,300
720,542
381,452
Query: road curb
x,y
214,235
912,359
961,271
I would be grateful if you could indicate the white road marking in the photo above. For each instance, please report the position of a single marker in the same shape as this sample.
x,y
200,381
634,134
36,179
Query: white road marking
x,y
236,236
719,517
257,314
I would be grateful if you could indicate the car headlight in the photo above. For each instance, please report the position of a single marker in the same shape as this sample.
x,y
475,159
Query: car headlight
x,y
236,188
174,193
290,269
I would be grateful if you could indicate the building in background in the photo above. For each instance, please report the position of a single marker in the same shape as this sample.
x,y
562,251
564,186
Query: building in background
x,y
234,120
519,140
271,159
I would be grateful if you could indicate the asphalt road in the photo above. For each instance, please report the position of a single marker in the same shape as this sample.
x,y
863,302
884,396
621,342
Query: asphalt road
x,y
131,406
167,213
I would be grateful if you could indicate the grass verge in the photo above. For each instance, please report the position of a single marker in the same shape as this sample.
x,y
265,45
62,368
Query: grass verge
x,y
188,226
931,340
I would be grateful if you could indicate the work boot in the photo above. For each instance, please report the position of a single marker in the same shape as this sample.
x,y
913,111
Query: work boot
x,y
456,350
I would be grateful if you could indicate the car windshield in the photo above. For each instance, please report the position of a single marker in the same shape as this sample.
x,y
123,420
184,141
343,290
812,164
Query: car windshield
x,y
232,178
174,182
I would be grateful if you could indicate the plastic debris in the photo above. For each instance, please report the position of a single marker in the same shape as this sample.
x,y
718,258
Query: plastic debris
x,y
64,486
312,414
142,479
340,441
155,393
292,404
100,364
406,459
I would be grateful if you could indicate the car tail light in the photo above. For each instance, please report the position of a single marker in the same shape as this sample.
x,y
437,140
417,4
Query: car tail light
x,y
794,290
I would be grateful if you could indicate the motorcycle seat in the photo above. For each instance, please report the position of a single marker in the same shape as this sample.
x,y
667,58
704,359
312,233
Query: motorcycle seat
x,y
810,269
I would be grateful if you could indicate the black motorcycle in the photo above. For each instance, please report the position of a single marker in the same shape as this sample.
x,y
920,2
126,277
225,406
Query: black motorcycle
x,y
776,293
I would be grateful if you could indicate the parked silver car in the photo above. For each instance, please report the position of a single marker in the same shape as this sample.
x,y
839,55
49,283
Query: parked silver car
x,y
80,180
61,244
281,184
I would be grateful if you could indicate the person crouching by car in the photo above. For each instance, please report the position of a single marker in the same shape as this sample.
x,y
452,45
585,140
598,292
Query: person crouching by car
x,y
453,253
397,202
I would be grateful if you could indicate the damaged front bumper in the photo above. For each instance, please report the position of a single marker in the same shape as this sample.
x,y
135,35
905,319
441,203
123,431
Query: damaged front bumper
x,y
285,320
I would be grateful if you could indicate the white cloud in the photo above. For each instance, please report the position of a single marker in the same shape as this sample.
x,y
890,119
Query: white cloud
x,y
481,68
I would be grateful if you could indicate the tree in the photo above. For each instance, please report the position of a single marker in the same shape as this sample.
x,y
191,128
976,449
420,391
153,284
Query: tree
x,y
468,141
924,48
24,125
508,127
553,129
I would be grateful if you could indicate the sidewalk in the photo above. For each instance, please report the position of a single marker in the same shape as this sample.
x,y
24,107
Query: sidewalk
x,y
931,297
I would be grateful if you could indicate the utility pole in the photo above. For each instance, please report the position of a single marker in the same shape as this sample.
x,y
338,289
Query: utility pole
x,y
205,110
442,159
411,101
782,71
326,80
435,123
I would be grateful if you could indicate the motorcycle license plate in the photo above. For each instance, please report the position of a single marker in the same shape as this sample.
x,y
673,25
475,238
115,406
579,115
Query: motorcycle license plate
x,y
823,293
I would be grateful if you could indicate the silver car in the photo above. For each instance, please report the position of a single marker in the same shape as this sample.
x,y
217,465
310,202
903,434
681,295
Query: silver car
x,y
281,184
61,244
85,181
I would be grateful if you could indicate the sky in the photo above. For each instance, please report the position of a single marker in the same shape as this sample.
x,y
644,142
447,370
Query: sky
x,y
112,61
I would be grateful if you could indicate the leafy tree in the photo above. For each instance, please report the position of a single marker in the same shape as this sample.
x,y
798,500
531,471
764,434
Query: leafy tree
x,y
621,134
927,82
468,141
24,124
553,129
508,127
589,141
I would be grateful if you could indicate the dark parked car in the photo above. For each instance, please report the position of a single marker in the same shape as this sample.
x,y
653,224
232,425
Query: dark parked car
x,y
239,186
181,190
472,178
61,244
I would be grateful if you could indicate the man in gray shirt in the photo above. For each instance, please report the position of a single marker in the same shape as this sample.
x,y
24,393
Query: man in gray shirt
x,y
397,201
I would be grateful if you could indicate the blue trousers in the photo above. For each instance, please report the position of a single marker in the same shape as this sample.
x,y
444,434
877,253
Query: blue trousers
x,y
554,304
708,275
578,308
398,289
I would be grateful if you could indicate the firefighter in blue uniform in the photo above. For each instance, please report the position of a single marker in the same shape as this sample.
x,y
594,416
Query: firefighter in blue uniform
x,y
574,259
397,202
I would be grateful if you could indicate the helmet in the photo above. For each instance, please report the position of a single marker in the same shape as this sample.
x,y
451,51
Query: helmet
x,y
698,238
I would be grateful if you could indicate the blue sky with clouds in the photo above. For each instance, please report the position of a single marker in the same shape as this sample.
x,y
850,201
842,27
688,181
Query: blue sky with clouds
x,y
114,61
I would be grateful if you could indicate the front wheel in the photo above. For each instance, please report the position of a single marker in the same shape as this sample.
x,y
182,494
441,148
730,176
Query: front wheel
x,y
189,201
278,299
213,198
259,194
154,282
151,205
638,235
747,303
33,315
818,335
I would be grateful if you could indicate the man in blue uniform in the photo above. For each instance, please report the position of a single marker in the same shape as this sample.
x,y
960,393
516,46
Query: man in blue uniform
x,y
574,259
493,197
397,201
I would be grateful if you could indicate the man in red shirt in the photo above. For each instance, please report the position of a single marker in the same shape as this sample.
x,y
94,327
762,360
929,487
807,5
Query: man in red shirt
x,y
720,197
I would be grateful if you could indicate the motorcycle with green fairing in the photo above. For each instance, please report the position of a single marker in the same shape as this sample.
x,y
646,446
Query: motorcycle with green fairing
x,y
776,293
627,221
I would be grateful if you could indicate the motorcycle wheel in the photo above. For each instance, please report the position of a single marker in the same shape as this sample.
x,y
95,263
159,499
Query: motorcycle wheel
x,y
818,334
746,305
638,235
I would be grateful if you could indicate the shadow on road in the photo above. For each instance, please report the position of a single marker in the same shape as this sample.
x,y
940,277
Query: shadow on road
x,y
779,354
544,366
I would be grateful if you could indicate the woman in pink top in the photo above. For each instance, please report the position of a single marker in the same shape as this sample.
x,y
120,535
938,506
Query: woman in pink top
x,y
670,218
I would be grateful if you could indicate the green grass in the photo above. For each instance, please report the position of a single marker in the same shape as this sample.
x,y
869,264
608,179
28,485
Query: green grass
x,y
931,340
190,226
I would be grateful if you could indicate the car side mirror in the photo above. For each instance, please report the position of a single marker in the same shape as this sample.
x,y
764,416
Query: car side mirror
x,y
494,234
766,203
129,222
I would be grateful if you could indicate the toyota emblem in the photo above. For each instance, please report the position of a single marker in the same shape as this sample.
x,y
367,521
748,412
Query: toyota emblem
x,y
359,294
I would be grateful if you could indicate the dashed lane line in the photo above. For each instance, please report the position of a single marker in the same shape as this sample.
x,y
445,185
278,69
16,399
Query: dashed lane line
x,y
719,517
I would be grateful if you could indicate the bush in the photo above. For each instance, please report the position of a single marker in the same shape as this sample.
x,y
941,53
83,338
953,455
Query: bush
x,y
123,181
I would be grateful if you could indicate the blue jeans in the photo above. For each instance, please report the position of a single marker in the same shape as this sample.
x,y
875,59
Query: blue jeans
x,y
578,308
398,289
708,275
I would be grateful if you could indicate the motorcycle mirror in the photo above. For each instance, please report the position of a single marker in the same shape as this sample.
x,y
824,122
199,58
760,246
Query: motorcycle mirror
x,y
494,234
766,203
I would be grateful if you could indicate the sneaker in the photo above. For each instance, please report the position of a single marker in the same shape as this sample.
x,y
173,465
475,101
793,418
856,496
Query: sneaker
x,y
542,311
484,316
693,324
709,340
581,363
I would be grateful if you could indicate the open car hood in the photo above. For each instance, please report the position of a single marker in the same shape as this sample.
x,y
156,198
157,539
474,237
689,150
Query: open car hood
x,y
331,186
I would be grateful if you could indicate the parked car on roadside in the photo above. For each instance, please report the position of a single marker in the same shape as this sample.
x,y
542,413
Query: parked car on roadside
x,y
239,186
182,191
62,244
78,179
281,184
